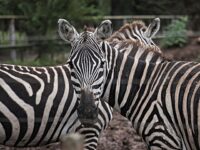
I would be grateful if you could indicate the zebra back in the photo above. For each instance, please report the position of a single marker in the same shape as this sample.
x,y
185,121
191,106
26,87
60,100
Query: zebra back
x,y
160,97
39,106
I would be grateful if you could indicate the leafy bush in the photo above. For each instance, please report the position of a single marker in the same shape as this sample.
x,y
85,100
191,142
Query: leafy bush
x,y
175,33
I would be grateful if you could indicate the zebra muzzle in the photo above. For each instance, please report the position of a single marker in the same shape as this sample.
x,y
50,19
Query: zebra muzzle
x,y
87,109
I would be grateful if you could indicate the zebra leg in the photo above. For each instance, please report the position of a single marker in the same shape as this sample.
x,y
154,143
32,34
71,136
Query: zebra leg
x,y
73,141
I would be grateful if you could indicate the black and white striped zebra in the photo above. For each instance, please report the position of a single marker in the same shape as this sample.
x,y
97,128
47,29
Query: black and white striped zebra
x,y
160,97
137,31
38,106
87,63
87,59
25,71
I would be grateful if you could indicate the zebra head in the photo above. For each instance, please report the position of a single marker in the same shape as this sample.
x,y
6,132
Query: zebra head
x,y
137,31
88,67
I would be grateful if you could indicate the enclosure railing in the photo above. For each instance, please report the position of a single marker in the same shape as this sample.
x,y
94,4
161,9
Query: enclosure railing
x,y
12,46
12,36
142,17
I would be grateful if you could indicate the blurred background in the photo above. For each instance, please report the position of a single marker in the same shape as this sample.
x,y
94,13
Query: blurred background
x,y
28,28
28,36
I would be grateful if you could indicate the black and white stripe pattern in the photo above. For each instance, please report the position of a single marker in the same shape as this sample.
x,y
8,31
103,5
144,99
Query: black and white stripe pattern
x,y
137,31
87,68
38,106
161,98
150,91
87,58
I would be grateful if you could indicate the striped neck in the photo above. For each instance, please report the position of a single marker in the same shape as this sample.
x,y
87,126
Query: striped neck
x,y
128,77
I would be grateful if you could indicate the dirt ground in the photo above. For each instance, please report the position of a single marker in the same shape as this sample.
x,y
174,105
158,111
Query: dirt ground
x,y
190,52
120,135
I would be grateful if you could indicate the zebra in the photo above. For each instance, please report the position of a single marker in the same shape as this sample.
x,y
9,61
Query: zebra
x,y
38,106
137,31
159,96
88,66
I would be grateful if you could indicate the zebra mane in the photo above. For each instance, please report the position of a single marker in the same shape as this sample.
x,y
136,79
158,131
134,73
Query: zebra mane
x,y
137,23
128,26
85,33
140,25
147,48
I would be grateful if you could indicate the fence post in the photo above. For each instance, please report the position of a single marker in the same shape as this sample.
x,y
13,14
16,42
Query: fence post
x,y
124,21
12,38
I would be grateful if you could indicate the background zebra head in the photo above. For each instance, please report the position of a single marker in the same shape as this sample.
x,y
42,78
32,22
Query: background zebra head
x,y
88,67
137,31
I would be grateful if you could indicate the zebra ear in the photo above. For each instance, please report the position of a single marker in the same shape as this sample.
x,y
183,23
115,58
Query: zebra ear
x,y
104,30
153,28
66,31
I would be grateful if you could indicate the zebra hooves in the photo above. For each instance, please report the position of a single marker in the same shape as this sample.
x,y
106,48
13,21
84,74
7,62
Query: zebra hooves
x,y
73,141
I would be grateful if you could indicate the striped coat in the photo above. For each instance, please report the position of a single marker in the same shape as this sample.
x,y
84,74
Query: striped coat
x,y
38,106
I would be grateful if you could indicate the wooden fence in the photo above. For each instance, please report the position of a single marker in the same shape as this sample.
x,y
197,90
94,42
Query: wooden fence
x,y
13,47
12,36
125,19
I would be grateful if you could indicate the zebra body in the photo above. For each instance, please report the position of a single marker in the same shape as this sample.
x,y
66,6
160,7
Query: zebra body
x,y
160,97
149,91
38,106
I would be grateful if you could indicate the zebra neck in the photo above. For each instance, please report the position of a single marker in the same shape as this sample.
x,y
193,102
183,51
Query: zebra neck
x,y
129,79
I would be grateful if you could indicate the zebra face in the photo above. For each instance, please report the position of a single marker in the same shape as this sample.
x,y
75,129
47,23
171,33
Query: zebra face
x,y
88,67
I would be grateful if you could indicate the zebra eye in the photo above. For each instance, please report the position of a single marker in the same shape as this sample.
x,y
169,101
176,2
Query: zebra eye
x,y
103,62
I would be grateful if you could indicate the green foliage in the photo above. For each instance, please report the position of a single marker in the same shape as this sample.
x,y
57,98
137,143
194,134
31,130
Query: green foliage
x,y
20,38
43,14
10,7
175,33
